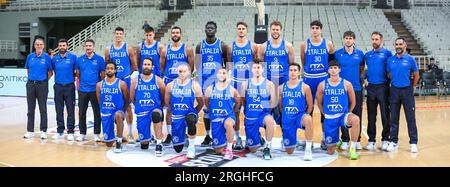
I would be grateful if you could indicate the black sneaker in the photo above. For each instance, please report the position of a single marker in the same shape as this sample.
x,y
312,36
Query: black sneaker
x,y
207,142
152,140
266,154
144,146
168,140
323,146
118,148
238,145
159,150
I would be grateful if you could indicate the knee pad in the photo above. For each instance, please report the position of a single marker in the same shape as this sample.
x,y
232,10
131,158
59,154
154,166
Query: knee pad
x,y
178,148
144,146
191,120
156,117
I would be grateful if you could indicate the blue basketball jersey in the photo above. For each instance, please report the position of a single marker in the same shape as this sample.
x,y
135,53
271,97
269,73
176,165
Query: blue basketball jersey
x,y
147,95
153,53
221,102
277,60
211,59
293,101
257,99
316,59
182,98
122,60
111,98
242,58
173,59
335,99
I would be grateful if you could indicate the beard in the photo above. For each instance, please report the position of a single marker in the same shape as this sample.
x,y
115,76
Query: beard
x,y
277,36
398,50
110,74
146,71
176,39
375,46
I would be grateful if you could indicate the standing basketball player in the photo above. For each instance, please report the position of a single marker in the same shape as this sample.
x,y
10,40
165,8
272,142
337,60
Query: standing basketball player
x,y
113,96
259,99
315,53
180,96
278,54
124,57
222,99
241,53
295,106
177,53
351,61
336,98
213,55
147,91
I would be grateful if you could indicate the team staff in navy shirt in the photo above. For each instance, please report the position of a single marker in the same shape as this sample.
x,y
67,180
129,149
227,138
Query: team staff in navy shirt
x,y
351,61
377,91
399,70
90,69
39,70
63,65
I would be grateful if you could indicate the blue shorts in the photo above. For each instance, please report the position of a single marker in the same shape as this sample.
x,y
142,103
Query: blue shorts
x,y
219,132
252,130
179,130
108,126
313,83
331,128
144,127
289,130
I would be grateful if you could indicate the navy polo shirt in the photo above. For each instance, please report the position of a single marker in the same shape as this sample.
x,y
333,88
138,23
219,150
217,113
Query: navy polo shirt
x,y
90,69
350,64
376,65
64,67
400,69
38,66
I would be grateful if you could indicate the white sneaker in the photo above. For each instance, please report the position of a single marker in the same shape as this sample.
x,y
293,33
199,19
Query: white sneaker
x,y
81,138
392,147
384,146
191,153
28,135
58,136
43,135
131,139
344,146
308,154
370,146
97,138
70,137
358,146
414,148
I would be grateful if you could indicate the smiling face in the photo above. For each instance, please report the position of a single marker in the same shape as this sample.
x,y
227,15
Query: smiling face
x,y
39,45
176,35
241,31
275,31
376,41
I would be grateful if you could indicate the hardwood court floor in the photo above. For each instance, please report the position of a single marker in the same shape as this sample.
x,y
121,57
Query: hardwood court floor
x,y
432,115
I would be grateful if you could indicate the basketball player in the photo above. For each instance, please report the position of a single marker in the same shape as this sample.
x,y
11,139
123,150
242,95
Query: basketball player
x,y
259,99
222,99
336,98
278,54
315,53
150,48
124,57
241,53
295,106
177,53
211,55
180,96
113,96
147,91
351,61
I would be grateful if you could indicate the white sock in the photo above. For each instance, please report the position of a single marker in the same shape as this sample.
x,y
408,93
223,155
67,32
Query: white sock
x,y
158,141
191,142
230,146
208,133
308,144
353,145
119,140
169,129
269,144
237,134
130,129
